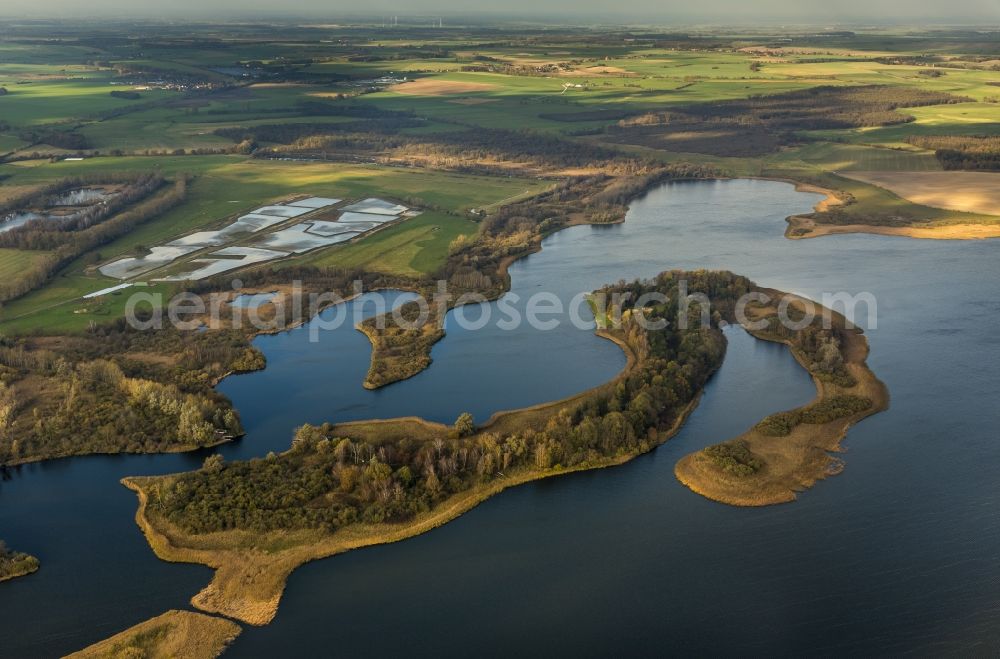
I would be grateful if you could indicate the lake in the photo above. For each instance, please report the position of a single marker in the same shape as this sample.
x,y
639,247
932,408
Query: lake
x,y
900,553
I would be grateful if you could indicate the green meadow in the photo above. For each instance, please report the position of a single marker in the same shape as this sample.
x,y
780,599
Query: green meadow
x,y
13,261
412,248
31,103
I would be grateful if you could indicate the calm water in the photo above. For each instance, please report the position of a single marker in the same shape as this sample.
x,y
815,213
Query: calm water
x,y
15,220
900,553
84,196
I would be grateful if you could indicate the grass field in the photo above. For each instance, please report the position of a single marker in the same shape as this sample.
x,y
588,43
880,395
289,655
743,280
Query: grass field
x,y
14,261
10,143
415,247
35,102
957,119
173,634
851,157
58,309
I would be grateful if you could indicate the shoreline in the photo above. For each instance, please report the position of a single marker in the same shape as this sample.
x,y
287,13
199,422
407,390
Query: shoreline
x,y
252,569
503,271
25,573
248,583
812,229
574,219
273,570
189,448
800,186
578,219
171,634
498,417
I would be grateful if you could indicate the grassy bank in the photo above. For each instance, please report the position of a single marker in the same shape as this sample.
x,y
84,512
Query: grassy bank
x,y
173,634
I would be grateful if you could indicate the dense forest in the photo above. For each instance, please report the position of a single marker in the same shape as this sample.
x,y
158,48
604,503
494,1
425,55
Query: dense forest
x,y
327,482
963,151
741,127
470,150
367,119
824,107
60,139
116,389
761,124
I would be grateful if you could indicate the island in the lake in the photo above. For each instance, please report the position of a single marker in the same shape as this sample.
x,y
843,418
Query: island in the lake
x,y
15,564
341,487
788,452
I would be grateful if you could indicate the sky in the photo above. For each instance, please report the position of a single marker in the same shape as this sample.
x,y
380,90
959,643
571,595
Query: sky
x,y
904,12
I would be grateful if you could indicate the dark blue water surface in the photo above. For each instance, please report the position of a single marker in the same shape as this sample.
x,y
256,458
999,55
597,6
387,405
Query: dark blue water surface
x,y
900,553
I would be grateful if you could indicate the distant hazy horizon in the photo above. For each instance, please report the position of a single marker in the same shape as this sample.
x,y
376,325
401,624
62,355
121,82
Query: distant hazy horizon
x,y
982,13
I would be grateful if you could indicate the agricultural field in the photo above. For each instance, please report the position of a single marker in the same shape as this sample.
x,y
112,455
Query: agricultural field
x,y
969,192
33,102
237,119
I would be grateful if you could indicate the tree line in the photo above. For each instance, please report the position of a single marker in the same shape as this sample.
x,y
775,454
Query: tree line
x,y
758,125
52,233
968,152
98,394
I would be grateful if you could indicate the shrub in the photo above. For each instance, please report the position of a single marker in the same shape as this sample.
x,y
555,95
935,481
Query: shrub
x,y
825,411
835,407
778,425
734,458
